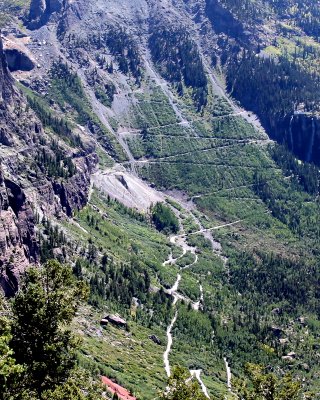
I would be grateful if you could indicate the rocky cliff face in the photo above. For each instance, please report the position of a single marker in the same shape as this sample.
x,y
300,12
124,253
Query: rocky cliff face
x,y
18,245
17,235
41,10
26,188
303,136
6,87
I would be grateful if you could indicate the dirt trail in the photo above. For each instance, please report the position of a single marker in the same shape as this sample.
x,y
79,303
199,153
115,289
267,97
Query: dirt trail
x,y
203,230
181,241
173,291
197,374
229,375
169,345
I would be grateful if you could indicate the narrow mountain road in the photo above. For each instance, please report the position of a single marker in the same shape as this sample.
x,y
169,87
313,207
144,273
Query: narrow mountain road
x,y
212,229
197,374
181,241
229,375
169,345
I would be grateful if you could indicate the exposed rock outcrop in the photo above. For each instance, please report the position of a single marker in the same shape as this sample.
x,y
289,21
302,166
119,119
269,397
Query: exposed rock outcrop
x,y
37,10
73,194
26,187
303,136
18,246
55,5
18,60
41,10
18,56
6,81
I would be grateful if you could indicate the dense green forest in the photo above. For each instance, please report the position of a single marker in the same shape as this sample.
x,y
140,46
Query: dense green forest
x,y
272,88
39,351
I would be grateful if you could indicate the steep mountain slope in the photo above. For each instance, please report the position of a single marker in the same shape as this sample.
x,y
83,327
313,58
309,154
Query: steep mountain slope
x,y
37,178
142,85
277,76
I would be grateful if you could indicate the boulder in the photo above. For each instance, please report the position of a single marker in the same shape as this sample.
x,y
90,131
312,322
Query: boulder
x,y
41,10
18,60
290,357
115,319
155,339
287,358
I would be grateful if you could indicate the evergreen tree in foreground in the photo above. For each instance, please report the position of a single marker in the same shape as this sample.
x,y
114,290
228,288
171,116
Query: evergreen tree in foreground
x,y
9,370
182,387
38,353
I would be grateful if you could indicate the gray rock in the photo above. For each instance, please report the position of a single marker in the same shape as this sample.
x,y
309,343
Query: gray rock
x,y
37,10
54,5
155,339
41,10
18,60
6,81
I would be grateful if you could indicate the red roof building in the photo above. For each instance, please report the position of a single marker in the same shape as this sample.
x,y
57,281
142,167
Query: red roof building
x,y
122,393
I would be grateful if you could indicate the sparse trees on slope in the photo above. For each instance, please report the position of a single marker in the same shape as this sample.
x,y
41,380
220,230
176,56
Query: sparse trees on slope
x,y
267,386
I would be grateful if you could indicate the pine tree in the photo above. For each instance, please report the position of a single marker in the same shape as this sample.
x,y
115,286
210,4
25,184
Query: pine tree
x,y
10,371
42,311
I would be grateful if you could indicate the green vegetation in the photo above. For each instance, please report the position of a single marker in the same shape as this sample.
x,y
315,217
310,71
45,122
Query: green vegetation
x,y
180,387
276,86
255,298
59,126
55,163
119,43
10,9
164,218
264,386
8,367
38,349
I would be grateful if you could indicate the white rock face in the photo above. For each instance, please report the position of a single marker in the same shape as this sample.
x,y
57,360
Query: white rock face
x,y
127,188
